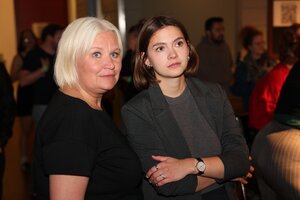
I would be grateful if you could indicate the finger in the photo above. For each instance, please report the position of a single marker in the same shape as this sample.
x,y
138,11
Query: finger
x,y
155,177
159,178
151,171
249,175
159,158
251,168
244,181
162,182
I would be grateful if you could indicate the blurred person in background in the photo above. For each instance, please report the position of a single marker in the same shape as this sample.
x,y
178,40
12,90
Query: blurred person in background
x,y
27,42
275,150
38,69
7,115
216,63
253,66
266,92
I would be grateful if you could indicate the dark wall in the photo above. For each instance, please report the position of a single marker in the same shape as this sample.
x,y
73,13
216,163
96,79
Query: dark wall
x,y
29,11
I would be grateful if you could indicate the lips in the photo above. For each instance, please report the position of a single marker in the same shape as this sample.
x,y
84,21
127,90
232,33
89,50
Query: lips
x,y
108,75
174,65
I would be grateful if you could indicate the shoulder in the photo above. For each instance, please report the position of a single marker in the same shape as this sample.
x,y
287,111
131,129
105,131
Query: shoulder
x,y
66,108
140,102
279,73
207,88
67,118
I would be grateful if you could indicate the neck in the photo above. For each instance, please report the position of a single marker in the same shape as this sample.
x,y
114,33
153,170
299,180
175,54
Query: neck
x,y
94,101
255,56
173,87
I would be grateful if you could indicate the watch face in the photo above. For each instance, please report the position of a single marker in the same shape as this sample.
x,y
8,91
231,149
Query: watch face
x,y
201,166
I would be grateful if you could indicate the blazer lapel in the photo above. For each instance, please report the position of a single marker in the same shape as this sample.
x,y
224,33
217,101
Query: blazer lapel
x,y
169,132
199,91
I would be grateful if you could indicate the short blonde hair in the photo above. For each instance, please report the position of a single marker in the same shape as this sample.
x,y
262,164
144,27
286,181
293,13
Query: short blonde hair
x,y
75,43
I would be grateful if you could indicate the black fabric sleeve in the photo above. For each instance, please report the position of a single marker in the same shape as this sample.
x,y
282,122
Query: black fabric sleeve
x,y
235,152
143,138
32,61
69,150
7,106
68,157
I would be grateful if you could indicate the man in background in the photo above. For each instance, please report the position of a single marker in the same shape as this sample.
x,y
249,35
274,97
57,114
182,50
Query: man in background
x,y
216,63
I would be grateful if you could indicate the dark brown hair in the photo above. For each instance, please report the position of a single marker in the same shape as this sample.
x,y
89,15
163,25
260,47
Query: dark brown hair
x,y
248,33
144,76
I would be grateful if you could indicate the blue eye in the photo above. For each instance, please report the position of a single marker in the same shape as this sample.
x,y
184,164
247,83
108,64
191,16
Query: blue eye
x,y
96,54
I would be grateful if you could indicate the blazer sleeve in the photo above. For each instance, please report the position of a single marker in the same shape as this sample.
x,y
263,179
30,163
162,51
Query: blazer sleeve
x,y
144,139
235,152
7,106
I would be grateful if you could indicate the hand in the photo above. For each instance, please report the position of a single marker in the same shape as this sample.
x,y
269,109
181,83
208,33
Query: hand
x,y
169,170
243,179
45,64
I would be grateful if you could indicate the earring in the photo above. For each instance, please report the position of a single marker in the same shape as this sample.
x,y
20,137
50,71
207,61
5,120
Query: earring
x,y
149,66
188,58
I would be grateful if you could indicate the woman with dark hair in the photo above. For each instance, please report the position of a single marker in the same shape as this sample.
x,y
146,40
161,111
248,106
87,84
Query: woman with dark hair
x,y
275,150
183,130
27,42
253,66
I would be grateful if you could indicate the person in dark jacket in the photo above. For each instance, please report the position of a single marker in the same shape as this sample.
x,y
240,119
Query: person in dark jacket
x,y
183,130
7,116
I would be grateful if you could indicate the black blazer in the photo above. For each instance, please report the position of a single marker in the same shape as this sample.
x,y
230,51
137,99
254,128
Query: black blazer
x,y
152,130
7,106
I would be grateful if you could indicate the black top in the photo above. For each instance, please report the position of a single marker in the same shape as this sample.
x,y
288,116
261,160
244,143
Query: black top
x,y
74,139
44,87
24,97
7,106
289,100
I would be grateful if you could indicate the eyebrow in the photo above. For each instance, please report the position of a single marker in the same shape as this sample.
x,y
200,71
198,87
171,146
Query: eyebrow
x,y
100,48
163,43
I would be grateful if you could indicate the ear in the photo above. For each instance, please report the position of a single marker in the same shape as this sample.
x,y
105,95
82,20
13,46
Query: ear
x,y
146,61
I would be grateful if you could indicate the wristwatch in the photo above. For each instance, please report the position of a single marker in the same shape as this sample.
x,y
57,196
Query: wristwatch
x,y
200,166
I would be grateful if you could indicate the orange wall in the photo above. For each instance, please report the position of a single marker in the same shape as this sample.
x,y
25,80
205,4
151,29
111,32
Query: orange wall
x,y
30,11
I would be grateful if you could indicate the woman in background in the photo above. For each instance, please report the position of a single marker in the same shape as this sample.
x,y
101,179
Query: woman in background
x,y
27,42
253,66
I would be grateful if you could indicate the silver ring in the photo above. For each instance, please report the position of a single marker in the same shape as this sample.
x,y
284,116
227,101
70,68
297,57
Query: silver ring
x,y
162,176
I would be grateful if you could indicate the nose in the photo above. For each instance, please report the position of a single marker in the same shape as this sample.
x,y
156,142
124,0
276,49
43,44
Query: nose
x,y
172,53
109,63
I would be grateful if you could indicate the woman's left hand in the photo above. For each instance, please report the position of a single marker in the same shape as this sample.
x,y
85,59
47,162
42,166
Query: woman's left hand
x,y
170,170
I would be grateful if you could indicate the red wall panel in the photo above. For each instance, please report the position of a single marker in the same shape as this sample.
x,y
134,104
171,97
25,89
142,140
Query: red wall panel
x,y
30,11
